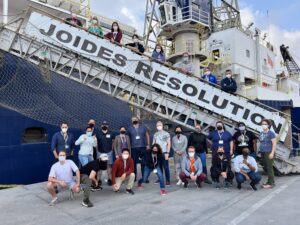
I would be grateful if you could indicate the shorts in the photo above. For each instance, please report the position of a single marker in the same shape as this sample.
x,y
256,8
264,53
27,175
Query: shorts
x,y
109,155
70,186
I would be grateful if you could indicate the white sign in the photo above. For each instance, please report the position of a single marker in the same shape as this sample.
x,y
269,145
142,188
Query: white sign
x,y
159,76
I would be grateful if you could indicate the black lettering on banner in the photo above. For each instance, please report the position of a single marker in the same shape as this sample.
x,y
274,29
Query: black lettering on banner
x,y
89,47
146,69
76,42
159,77
60,33
105,52
220,106
254,117
276,129
174,83
120,60
189,86
50,31
236,108
246,114
202,95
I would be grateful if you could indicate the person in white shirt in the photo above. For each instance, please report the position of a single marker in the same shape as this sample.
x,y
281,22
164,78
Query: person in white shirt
x,y
246,168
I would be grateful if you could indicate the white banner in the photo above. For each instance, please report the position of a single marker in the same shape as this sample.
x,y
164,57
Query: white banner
x,y
159,76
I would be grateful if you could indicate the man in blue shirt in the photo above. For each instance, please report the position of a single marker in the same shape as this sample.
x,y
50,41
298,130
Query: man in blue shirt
x,y
228,84
105,145
209,77
63,140
140,142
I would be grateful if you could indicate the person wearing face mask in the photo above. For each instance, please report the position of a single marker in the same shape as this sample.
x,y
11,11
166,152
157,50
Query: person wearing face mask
x,y
153,163
185,65
73,20
198,141
121,141
158,53
192,168
105,140
115,35
221,137
136,45
123,169
246,168
139,142
179,144
221,166
95,28
267,147
209,77
162,138
92,124
228,84
61,177
63,140
244,138
87,142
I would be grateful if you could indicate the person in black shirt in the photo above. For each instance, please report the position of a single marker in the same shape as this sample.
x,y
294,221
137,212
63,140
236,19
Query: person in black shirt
x,y
136,45
198,141
244,138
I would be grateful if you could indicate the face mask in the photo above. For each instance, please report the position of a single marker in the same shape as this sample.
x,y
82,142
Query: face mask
x,y
198,130
115,28
158,50
125,156
245,154
94,22
242,128
64,130
220,153
135,40
185,59
265,127
219,128
74,16
228,75
91,125
135,122
191,154
159,127
61,158
89,134
178,132
104,128
122,132
207,73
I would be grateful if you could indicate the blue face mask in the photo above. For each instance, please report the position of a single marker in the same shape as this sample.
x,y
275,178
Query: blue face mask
x,y
61,158
89,134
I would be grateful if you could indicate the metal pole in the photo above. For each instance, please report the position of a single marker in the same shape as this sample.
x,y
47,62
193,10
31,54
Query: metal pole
x,y
5,11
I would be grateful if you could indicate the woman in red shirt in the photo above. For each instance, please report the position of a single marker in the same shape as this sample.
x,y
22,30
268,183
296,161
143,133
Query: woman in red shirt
x,y
115,36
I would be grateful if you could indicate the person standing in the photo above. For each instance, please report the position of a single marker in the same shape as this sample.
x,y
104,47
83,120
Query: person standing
x,y
209,77
139,141
158,53
73,20
179,145
136,45
267,139
185,65
228,84
95,28
87,142
105,145
115,35
162,138
63,140
198,141
122,141
92,124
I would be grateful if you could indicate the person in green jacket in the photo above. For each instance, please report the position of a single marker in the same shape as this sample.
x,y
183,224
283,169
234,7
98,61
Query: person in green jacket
x,y
95,28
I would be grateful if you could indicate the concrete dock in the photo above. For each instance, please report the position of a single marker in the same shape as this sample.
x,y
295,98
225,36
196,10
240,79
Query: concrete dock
x,y
28,205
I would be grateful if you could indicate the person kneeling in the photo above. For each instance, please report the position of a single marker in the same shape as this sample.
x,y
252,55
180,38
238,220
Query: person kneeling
x,y
61,177
246,168
192,168
221,166
123,169
153,160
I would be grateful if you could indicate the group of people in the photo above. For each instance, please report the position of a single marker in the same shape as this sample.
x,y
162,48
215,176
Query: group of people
x,y
119,154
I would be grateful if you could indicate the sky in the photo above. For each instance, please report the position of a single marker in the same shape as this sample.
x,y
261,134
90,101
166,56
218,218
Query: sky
x,y
280,19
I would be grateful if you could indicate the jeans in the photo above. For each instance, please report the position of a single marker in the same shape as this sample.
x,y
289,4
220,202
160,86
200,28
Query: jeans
x,y
166,169
202,156
136,153
146,174
85,159
268,166
255,177
185,178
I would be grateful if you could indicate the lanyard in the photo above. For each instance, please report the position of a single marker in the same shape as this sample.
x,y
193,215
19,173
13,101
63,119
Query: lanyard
x,y
220,135
65,137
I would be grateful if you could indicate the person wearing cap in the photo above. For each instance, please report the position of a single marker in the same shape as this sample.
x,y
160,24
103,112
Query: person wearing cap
x,y
95,131
95,28
136,45
123,169
105,145
185,65
121,141
139,141
228,84
209,77
73,20
244,138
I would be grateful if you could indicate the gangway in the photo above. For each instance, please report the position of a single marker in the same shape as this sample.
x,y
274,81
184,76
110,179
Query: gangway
x,y
289,61
117,71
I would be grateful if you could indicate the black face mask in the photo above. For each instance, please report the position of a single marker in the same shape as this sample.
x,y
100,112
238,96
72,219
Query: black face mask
x,y
219,128
91,125
220,153
135,122
104,128
122,132
178,132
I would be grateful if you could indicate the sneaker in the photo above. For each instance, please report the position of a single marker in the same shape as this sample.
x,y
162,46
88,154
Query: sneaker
x,y
239,186
267,186
129,191
217,185
207,181
109,182
156,182
140,186
117,191
163,192
179,182
100,182
147,182
226,185
198,184
71,194
53,201
185,184
254,188
96,188
87,203
168,183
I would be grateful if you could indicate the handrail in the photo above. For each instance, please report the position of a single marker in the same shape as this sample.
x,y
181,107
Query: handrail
x,y
169,66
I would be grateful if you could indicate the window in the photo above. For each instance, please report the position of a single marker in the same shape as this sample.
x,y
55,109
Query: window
x,y
34,135
189,46
248,53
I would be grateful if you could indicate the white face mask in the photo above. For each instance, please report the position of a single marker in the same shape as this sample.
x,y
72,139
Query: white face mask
x,y
135,40
115,28
191,154
228,75
159,128
158,50
185,59
64,130
94,22
61,158
265,127
207,72
125,156
242,128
